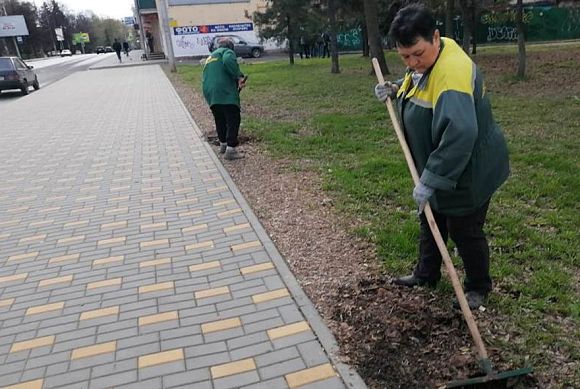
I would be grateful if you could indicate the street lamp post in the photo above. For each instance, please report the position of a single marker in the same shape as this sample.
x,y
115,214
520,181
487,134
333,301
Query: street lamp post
x,y
165,31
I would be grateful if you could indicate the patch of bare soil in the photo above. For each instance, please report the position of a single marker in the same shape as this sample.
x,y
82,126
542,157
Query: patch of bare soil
x,y
394,337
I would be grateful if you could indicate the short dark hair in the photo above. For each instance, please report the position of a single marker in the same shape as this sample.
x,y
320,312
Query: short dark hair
x,y
411,23
226,42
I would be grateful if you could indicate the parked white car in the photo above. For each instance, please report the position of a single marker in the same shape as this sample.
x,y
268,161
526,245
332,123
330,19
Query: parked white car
x,y
66,53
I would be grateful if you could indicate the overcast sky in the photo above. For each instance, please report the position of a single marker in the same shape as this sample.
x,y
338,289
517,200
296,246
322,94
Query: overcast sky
x,y
112,8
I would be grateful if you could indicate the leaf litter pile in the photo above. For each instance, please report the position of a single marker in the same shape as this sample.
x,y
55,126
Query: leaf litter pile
x,y
393,336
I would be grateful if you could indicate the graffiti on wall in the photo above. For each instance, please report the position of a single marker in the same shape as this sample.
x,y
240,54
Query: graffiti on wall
x,y
350,39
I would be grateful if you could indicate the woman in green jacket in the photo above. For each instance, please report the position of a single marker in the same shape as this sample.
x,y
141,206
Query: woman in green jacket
x,y
459,150
222,81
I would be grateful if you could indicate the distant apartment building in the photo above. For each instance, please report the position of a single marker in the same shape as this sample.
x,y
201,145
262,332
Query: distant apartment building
x,y
193,23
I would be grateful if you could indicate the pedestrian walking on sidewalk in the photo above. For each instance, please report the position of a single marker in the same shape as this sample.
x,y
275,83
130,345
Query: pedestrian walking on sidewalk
x,y
126,48
117,47
459,150
222,82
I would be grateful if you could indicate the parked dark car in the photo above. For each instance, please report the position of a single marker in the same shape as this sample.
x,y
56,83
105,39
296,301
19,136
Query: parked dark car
x,y
15,74
100,50
242,47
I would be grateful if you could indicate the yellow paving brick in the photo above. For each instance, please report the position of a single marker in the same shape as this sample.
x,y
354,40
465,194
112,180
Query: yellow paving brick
x,y
15,277
118,199
86,198
155,262
64,258
54,199
237,227
221,325
223,202
4,236
217,189
25,198
122,179
153,214
197,228
55,281
275,294
153,200
10,223
212,292
17,210
229,213
204,266
308,376
182,180
112,241
36,384
291,329
210,179
91,351
32,239
105,261
257,268
82,210
23,257
71,240
237,367
183,190
153,179
160,358
32,343
153,226
44,308
6,302
207,171
158,318
49,210
190,213
119,188
187,201
117,211
80,223
247,245
199,245
104,283
151,189
88,315
156,287
42,223
153,243
113,226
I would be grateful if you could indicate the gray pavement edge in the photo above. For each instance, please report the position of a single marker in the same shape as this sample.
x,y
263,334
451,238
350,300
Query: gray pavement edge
x,y
349,375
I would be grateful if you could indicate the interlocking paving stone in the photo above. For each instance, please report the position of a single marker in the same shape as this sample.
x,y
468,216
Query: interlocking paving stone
x,y
128,258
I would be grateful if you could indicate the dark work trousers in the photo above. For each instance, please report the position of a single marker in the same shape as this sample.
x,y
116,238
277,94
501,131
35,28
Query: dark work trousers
x,y
118,54
467,233
227,122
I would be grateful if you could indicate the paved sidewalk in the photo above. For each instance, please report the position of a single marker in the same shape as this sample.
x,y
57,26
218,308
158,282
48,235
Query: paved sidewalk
x,y
134,59
129,259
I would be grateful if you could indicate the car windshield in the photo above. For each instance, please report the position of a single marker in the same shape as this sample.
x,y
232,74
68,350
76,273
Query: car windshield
x,y
5,64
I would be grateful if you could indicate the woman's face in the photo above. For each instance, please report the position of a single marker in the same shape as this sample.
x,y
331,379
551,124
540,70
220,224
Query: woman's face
x,y
422,55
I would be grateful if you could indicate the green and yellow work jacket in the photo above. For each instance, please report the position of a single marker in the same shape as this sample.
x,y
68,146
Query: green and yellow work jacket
x,y
220,78
458,148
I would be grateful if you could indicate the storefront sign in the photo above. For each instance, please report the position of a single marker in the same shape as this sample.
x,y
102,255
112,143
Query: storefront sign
x,y
213,29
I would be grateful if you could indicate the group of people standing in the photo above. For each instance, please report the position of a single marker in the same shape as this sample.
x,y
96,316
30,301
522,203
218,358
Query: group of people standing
x,y
317,45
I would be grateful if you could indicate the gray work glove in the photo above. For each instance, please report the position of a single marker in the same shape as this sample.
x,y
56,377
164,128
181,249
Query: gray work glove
x,y
422,193
388,89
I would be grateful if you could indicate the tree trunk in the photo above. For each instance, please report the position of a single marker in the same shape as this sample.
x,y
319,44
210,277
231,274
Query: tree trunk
x,y
467,16
521,41
290,40
375,43
335,68
449,13
365,36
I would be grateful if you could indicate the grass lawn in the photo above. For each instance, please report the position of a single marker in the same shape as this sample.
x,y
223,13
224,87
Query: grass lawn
x,y
333,121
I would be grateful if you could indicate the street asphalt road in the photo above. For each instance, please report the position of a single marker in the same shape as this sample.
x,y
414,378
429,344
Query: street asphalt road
x,y
50,70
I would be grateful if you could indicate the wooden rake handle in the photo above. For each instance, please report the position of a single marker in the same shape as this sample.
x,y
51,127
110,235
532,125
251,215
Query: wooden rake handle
x,y
435,231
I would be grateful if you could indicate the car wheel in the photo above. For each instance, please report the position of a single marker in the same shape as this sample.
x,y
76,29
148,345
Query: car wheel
x,y
35,84
256,53
24,88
